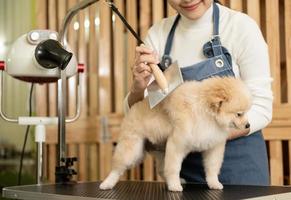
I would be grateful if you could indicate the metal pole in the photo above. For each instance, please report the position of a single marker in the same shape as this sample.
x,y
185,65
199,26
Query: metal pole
x,y
39,166
62,116
39,139
62,81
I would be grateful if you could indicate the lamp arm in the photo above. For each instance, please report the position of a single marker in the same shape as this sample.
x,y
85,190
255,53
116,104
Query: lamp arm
x,y
1,102
63,40
68,18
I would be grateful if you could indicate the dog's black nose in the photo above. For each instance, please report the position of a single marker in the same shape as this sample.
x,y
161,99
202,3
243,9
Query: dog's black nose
x,y
248,125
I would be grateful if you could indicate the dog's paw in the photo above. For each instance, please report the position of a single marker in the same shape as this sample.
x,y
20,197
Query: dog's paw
x,y
110,181
176,187
105,185
215,185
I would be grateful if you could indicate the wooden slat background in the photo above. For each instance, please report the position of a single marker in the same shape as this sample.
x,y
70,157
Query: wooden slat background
x,y
101,42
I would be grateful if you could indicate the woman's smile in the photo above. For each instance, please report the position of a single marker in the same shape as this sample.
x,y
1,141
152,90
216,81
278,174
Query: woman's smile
x,y
191,7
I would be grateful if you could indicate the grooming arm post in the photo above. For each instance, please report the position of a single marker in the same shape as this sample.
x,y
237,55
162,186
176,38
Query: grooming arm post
x,y
63,174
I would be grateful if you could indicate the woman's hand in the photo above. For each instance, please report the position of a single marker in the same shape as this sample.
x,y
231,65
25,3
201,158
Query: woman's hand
x,y
238,133
141,72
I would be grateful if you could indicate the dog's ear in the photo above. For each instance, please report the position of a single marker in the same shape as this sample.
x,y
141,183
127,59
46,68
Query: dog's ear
x,y
216,99
215,107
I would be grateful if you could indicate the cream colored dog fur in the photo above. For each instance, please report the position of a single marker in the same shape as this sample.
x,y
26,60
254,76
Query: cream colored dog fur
x,y
197,116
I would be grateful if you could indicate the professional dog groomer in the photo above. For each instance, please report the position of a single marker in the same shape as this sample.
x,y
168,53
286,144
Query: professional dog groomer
x,y
201,32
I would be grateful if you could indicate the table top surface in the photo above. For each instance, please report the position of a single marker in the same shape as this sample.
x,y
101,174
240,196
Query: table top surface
x,y
144,190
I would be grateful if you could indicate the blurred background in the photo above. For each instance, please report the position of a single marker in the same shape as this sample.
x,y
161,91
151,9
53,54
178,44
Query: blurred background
x,y
101,42
16,18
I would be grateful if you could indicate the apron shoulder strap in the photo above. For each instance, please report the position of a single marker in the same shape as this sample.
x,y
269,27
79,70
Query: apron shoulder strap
x,y
215,20
171,36
166,59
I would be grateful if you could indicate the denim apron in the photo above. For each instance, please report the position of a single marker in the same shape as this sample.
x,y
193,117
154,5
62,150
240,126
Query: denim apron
x,y
245,161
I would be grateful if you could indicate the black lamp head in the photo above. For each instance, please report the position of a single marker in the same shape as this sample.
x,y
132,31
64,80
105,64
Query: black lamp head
x,y
51,54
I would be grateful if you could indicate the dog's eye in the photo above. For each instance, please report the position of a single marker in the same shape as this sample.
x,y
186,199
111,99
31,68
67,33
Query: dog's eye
x,y
239,114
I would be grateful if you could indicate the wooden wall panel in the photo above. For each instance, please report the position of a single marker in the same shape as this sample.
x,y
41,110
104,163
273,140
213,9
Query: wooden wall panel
x,y
82,156
61,11
52,12
41,90
273,40
223,2
287,12
253,10
236,5
148,168
119,59
93,51
276,162
158,10
93,165
131,16
82,58
52,155
145,17
72,81
289,155
104,61
52,87
46,165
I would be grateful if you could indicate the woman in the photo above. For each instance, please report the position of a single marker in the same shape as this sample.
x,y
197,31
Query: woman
x,y
208,39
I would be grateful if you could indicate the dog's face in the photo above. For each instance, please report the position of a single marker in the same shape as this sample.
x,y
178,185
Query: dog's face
x,y
229,100
232,119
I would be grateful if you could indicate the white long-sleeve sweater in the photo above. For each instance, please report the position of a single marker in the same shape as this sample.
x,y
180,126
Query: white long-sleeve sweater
x,y
240,35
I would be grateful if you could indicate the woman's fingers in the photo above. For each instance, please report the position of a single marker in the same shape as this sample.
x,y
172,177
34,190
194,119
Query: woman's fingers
x,y
145,74
141,72
143,50
147,58
141,75
145,55
142,67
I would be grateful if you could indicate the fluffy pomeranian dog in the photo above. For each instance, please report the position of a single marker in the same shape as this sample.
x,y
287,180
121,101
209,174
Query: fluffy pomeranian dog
x,y
195,117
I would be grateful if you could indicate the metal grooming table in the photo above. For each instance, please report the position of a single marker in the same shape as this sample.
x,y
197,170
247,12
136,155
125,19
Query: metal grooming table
x,y
129,190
